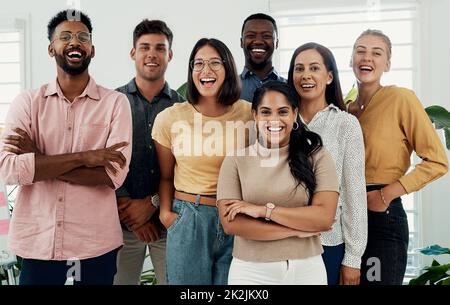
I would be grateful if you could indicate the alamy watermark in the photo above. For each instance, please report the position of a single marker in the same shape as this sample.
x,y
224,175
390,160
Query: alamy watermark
x,y
74,272
218,138
74,11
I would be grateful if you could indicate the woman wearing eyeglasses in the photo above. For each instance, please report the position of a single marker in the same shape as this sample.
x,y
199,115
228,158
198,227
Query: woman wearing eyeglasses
x,y
192,139
394,124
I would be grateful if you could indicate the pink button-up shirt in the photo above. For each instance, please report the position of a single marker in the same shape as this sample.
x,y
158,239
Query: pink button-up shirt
x,y
52,219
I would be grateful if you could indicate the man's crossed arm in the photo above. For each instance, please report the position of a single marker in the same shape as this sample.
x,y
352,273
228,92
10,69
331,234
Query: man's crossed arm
x,y
84,168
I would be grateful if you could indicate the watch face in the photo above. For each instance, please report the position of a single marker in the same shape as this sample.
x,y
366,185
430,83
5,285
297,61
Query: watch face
x,y
270,205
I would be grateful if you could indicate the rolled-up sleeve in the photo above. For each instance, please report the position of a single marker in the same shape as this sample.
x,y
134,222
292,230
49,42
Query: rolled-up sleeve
x,y
17,169
121,130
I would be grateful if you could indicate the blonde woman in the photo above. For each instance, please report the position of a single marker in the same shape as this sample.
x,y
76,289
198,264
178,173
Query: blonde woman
x,y
394,124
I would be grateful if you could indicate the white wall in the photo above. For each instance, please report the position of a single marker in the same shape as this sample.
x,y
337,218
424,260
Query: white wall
x,y
114,21
435,50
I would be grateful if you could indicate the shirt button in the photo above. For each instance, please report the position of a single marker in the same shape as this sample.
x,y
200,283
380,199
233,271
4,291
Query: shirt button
x,y
149,124
151,147
152,171
59,224
60,199
69,128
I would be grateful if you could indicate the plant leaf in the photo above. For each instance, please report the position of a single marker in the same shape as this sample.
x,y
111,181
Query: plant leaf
x,y
438,268
444,281
447,137
435,263
351,95
182,90
434,250
439,116
422,279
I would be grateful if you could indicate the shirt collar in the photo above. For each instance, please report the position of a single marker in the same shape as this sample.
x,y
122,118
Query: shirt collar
x,y
166,91
273,74
91,90
132,89
330,107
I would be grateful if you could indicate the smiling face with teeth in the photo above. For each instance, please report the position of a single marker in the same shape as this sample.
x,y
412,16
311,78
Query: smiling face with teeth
x,y
152,55
311,76
207,81
72,57
370,59
258,42
275,119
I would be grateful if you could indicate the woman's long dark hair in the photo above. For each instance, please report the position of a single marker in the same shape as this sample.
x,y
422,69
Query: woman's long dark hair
x,y
231,88
333,92
302,143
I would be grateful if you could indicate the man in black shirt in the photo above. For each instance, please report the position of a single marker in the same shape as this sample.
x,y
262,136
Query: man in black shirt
x,y
137,199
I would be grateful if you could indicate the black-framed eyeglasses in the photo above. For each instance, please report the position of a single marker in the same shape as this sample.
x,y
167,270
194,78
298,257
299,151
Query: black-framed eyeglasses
x,y
65,36
214,64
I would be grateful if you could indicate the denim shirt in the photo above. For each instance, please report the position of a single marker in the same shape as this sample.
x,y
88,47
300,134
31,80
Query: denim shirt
x,y
250,82
144,174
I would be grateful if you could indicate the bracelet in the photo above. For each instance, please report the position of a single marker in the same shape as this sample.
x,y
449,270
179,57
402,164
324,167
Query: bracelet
x,y
382,198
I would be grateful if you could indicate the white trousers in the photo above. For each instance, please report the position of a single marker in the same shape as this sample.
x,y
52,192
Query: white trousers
x,y
308,271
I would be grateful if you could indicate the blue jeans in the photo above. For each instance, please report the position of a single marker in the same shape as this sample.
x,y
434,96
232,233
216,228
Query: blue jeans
x,y
332,257
198,252
92,271
387,243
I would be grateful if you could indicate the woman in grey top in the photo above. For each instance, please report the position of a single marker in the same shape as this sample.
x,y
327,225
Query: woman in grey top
x,y
314,75
276,195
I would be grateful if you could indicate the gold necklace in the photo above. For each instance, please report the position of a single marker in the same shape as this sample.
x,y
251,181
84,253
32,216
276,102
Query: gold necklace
x,y
361,106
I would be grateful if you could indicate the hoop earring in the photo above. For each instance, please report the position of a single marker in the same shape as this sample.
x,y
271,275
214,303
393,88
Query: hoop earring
x,y
295,128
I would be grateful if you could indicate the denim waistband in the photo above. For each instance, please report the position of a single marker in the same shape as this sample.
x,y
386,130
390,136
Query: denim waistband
x,y
374,187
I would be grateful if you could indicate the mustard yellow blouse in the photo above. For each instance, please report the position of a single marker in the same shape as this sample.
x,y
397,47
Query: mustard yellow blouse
x,y
394,124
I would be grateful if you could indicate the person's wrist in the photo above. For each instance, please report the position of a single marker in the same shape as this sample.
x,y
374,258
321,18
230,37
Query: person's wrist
x,y
163,213
262,211
383,198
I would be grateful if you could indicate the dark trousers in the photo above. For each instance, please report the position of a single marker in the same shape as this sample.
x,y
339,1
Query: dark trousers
x,y
332,257
384,261
92,271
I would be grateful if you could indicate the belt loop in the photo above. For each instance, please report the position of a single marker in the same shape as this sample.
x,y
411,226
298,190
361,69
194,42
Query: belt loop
x,y
197,200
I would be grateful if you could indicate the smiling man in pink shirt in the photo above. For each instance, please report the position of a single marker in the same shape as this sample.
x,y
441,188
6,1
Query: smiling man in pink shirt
x,y
68,146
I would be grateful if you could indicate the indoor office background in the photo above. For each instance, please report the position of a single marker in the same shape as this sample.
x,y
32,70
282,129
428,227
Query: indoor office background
x,y
418,29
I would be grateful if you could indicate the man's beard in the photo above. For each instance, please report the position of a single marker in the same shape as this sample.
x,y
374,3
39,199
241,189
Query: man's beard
x,y
63,64
257,65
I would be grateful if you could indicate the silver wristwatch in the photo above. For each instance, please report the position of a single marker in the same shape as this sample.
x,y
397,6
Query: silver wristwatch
x,y
155,201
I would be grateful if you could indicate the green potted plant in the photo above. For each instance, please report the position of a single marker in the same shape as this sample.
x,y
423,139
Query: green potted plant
x,y
436,274
441,119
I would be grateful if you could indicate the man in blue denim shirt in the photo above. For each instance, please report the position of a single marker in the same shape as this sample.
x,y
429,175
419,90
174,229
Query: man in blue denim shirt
x,y
138,201
259,40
